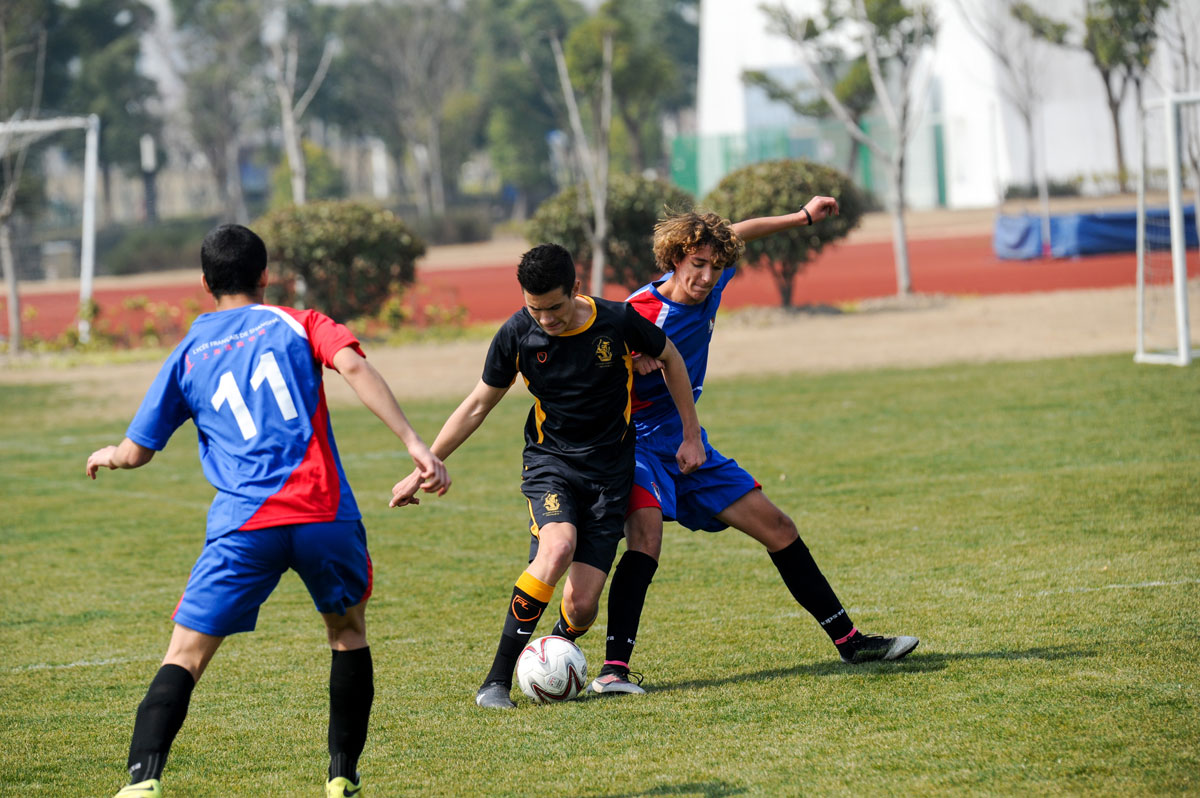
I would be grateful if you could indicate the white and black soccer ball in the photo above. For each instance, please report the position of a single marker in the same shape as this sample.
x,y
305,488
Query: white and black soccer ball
x,y
551,669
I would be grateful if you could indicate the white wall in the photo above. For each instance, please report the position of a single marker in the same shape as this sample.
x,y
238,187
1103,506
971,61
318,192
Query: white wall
x,y
985,147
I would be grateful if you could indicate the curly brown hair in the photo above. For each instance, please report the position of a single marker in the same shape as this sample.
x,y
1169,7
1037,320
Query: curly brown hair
x,y
681,234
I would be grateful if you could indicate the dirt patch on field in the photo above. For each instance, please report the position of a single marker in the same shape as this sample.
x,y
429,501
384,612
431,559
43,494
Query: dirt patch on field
x,y
886,333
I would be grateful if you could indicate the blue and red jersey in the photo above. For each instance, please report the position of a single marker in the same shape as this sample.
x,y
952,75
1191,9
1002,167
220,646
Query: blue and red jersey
x,y
690,328
249,378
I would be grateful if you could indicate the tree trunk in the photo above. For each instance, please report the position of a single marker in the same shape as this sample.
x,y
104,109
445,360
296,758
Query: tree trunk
x,y
150,195
106,180
899,232
10,285
293,145
1114,111
437,184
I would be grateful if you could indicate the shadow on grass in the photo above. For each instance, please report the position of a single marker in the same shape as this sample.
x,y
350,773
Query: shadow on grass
x,y
914,663
704,789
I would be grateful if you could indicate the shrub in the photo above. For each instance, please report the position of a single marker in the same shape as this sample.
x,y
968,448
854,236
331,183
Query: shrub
x,y
635,204
773,188
350,256
168,244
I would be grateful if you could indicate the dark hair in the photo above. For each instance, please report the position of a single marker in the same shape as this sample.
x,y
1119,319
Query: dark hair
x,y
546,267
233,258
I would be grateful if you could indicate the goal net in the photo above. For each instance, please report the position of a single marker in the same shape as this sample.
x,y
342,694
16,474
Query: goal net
x,y
1167,247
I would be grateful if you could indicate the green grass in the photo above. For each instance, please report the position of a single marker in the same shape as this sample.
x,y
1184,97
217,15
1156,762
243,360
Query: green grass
x,y
1036,524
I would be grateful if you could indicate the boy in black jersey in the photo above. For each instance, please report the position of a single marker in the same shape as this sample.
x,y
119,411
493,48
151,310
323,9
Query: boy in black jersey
x,y
575,353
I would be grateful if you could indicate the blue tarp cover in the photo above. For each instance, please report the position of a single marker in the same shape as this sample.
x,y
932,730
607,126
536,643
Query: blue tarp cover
x,y
1071,235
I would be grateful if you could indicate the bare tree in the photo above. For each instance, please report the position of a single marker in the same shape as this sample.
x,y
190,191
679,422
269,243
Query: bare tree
x,y
1021,58
285,58
592,158
13,152
893,38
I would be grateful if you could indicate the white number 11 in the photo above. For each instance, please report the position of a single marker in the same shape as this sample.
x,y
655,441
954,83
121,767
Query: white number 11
x,y
227,391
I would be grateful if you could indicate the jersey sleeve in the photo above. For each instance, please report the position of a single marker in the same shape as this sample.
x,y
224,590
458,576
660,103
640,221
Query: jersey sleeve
x,y
326,336
501,365
163,410
641,334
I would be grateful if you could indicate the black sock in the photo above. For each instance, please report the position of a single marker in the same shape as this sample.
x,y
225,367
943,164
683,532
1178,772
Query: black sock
x,y
351,692
529,599
809,587
159,717
626,597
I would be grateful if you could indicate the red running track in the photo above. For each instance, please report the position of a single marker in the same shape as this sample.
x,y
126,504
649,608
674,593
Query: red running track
x,y
844,273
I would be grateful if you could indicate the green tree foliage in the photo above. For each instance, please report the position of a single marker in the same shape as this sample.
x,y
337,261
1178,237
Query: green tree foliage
x,y
773,188
325,180
350,256
635,204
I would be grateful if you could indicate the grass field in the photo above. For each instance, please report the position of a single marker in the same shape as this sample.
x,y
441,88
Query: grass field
x,y
1036,524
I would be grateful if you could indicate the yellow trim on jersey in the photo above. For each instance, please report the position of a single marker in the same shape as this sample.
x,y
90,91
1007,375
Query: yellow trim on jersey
x,y
586,324
628,358
535,588
539,415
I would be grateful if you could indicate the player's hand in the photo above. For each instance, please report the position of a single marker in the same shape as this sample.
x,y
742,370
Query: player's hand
x,y
690,455
404,492
644,364
821,208
101,458
434,476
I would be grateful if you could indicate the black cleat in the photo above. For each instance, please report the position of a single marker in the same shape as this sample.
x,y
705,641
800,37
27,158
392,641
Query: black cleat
x,y
874,648
494,695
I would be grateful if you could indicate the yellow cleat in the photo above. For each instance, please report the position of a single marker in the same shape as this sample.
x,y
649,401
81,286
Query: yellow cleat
x,y
150,788
342,787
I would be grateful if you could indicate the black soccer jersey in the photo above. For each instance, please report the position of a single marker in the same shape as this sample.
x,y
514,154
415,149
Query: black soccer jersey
x,y
580,381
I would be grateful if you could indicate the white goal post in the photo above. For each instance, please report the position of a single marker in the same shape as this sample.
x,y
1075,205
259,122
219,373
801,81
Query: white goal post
x,y
1163,325
26,132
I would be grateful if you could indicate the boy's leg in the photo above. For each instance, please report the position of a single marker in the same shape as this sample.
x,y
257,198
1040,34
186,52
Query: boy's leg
x,y
351,691
759,518
162,711
530,595
581,600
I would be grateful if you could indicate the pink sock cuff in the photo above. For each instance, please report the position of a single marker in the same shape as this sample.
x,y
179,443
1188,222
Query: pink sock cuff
x,y
853,632
616,662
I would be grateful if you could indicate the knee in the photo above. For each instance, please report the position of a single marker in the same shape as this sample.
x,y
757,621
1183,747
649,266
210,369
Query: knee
x,y
781,532
643,537
580,609
555,553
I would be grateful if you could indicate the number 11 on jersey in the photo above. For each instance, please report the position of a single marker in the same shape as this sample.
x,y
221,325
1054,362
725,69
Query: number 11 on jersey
x,y
227,391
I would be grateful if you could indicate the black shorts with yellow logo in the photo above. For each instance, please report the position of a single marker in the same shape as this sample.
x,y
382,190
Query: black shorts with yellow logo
x,y
559,494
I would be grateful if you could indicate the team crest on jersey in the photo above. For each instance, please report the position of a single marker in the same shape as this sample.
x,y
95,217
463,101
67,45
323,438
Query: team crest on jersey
x,y
541,357
712,323
604,350
551,504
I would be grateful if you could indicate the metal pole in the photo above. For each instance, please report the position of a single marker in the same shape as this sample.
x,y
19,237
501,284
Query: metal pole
x,y
1178,244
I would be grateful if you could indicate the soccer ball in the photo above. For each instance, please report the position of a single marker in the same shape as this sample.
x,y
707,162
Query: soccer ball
x,y
550,669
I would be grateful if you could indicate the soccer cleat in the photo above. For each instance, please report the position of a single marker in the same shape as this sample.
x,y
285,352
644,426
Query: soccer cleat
x,y
342,787
615,680
150,788
494,695
873,648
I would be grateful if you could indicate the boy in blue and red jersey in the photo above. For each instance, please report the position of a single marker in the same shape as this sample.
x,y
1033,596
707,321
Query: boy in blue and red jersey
x,y
249,376
698,252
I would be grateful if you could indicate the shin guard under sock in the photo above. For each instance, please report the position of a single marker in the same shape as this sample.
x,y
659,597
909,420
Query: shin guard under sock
x,y
810,588
351,693
529,599
159,717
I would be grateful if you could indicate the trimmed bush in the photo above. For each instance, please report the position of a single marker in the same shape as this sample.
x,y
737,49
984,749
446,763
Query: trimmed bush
x,y
635,204
350,256
774,188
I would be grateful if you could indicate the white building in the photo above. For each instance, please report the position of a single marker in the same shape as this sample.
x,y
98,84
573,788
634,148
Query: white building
x,y
971,145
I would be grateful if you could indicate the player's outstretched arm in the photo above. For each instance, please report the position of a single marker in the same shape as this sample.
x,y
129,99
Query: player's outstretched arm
x,y
126,454
465,419
690,455
815,210
373,391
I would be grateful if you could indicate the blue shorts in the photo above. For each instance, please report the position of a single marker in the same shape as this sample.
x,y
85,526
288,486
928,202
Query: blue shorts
x,y
237,572
694,499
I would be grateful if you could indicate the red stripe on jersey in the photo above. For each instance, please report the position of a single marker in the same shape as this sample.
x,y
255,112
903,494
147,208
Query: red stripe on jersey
x,y
325,336
312,492
649,307
370,580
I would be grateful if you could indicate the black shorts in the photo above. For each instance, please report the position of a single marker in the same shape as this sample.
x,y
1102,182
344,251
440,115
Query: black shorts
x,y
558,494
